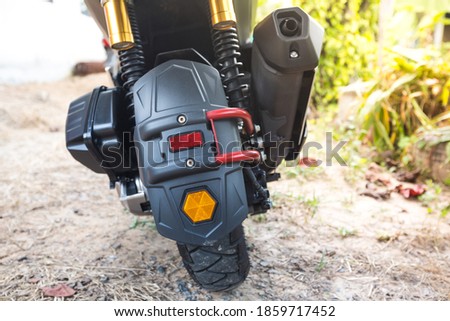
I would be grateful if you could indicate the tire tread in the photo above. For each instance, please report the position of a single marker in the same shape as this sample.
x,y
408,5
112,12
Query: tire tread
x,y
221,266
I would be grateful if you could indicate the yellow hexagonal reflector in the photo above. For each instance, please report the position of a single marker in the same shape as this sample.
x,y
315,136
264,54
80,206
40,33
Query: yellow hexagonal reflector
x,y
199,206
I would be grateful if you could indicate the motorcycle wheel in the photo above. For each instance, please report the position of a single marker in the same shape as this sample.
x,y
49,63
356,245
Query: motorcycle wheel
x,y
220,266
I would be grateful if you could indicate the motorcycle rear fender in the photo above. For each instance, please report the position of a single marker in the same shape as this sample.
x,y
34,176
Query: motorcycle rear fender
x,y
189,89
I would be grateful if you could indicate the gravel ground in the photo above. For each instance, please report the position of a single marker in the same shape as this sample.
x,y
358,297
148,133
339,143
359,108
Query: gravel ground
x,y
60,224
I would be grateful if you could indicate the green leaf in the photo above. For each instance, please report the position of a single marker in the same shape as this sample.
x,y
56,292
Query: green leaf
x,y
447,181
441,117
405,65
383,134
421,116
445,211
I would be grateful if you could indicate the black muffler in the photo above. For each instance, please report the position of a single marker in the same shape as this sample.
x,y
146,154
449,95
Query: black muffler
x,y
286,50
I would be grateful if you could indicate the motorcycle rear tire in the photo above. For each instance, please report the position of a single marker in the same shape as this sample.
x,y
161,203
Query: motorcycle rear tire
x,y
220,266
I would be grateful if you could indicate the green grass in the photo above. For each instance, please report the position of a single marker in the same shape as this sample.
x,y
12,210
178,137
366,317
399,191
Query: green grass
x,y
139,222
322,264
345,232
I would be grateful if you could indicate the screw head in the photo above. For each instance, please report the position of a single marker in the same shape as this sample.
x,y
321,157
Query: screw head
x,y
181,119
294,54
190,163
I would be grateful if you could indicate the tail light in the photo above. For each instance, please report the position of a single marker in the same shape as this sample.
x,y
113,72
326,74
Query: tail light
x,y
185,141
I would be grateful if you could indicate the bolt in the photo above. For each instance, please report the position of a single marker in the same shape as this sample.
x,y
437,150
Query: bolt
x,y
260,142
181,119
294,54
190,163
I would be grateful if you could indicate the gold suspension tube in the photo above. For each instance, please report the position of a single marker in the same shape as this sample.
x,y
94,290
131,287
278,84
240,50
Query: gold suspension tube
x,y
223,16
118,23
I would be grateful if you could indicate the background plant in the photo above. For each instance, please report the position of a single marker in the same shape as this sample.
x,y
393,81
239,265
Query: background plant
x,y
411,94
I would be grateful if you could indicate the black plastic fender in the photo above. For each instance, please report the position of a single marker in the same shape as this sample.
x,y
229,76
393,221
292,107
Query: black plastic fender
x,y
172,99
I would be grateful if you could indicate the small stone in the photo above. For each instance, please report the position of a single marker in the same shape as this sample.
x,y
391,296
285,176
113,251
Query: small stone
x,y
104,278
264,263
77,286
116,246
77,212
111,258
161,269
182,287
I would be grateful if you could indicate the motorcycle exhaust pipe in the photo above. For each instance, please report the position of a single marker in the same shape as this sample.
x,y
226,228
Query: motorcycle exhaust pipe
x,y
286,50
223,16
118,24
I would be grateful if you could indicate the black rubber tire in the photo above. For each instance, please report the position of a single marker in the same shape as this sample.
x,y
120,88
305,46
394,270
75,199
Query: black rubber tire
x,y
221,266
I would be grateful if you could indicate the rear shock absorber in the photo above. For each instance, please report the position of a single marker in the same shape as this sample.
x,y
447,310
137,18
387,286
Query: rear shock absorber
x,y
124,36
132,63
226,48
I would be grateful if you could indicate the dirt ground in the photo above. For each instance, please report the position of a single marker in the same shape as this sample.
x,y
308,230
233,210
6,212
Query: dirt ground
x,y
59,223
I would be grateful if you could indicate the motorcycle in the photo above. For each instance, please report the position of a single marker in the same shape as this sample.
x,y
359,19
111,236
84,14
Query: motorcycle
x,y
202,111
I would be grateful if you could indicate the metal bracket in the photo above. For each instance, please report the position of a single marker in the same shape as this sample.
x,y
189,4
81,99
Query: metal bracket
x,y
135,202
239,156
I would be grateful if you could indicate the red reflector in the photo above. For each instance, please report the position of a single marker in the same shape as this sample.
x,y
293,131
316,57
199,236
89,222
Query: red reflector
x,y
185,141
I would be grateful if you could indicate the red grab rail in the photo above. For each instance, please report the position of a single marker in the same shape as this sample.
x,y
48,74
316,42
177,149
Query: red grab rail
x,y
238,156
225,113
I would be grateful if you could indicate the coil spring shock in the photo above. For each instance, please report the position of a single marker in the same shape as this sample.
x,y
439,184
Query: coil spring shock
x,y
226,48
132,63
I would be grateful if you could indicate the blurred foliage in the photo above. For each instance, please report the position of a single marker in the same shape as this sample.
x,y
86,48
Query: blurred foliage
x,y
425,5
412,93
409,28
